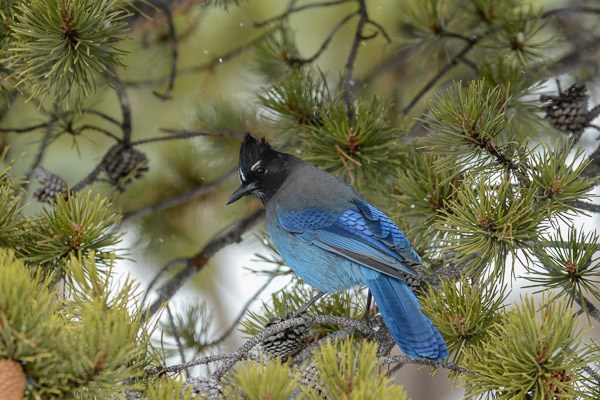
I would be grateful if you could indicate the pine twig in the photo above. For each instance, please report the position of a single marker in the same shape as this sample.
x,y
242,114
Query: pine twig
x,y
401,359
326,42
174,52
189,364
243,351
167,267
584,205
185,134
454,61
39,156
347,82
291,9
240,315
228,55
90,178
176,335
591,309
30,128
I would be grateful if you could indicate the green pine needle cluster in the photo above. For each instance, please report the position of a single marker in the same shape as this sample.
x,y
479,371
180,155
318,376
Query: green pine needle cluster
x,y
556,175
488,225
167,388
464,313
538,354
83,346
348,370
473,125
296,100
80,224
61,47
570,264
425,194
278,56
267,378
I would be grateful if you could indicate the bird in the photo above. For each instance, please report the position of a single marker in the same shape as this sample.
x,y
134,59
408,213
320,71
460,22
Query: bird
x,y
334,239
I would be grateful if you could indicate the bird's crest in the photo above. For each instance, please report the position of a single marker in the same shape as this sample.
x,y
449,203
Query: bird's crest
x,y
252,153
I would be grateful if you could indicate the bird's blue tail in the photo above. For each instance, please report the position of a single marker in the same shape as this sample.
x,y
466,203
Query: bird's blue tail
x,y
401,311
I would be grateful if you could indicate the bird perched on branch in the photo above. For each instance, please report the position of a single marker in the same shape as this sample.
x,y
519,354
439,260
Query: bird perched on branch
x,y
334,239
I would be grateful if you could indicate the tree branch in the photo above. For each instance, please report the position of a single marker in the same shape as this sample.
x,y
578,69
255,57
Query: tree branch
x,y
401,359
174,51
233,233
348,82
179,199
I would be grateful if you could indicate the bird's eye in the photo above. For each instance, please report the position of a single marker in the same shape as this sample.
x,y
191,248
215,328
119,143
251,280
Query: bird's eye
x,y
261,171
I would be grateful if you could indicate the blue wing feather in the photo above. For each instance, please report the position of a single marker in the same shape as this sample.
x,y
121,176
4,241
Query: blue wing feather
x,y
364,234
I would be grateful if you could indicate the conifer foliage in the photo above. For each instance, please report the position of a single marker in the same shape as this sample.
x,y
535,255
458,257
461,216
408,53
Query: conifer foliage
x,y
473,124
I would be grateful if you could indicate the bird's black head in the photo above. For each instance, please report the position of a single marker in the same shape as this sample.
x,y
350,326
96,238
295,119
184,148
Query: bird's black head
x,y
262,170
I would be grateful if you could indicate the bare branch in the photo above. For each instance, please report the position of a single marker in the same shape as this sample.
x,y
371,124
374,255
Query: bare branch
x,y
401,359
292,10
241,314
348,82
179,199
244,349
174,51
442,71
185,134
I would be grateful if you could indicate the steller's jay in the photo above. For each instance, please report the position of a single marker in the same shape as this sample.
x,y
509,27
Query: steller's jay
x,y
334,239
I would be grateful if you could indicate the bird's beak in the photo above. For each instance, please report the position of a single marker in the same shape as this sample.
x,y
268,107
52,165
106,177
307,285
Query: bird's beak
x,y
244,190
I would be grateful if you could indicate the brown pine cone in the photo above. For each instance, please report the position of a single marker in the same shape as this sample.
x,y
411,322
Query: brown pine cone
x,y
124,164
52,186
287,343
12,380
568,112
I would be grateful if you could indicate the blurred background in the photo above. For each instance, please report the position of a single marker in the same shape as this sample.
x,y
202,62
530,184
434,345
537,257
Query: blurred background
x,y
223,67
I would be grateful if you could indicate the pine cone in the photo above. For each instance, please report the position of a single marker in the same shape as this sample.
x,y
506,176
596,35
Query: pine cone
x,y
310,378
568,112
286,343
12,380
204,388
52,186
123,165
414,283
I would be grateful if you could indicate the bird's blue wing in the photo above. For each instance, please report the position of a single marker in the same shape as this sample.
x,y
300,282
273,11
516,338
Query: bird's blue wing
x,y
362,234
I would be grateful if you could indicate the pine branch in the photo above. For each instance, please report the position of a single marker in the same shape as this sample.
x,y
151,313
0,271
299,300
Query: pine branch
x,y
189,364
401,359
30,128
348,82
197,262
174,51
243,351
208,65
326,42
454,61
176,334
125,108
587,305
185,134
166,268
291,9
583,205
89,178
179,199
39,156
